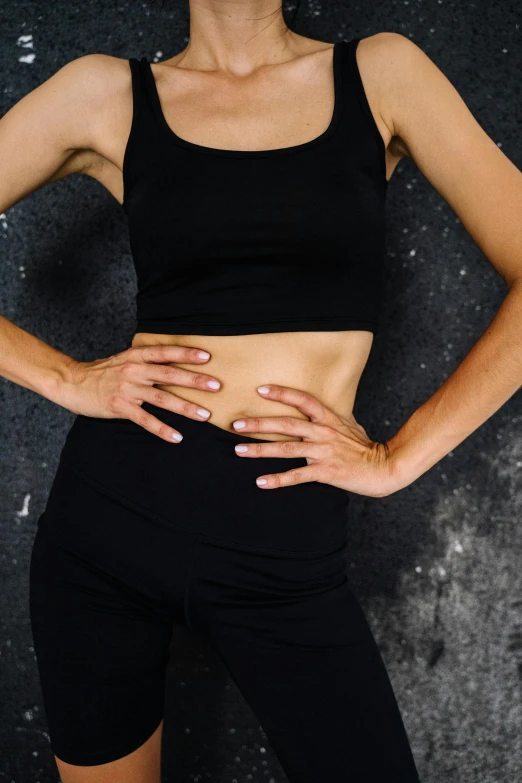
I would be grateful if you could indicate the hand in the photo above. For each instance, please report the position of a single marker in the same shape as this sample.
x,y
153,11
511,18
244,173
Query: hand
x,y
115,387
337,449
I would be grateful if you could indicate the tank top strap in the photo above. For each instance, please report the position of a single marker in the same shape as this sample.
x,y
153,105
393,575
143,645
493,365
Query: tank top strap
x,y
144,140
357,117
142,95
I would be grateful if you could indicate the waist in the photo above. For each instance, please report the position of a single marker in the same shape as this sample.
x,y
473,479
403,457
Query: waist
x,y
327,365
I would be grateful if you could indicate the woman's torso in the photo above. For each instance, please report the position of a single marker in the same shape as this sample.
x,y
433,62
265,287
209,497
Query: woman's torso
x,y
252,116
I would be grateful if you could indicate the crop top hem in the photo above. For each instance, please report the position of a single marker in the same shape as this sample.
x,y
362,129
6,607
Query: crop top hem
x,y
318,324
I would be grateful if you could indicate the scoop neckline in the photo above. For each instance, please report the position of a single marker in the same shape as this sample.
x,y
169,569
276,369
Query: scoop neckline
x,y
172,136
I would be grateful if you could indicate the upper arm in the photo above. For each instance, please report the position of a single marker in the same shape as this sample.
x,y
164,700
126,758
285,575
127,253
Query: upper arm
x,y
451,149
51,132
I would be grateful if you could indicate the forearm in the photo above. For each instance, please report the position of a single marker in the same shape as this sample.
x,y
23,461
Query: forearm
x,y
31,362
488,376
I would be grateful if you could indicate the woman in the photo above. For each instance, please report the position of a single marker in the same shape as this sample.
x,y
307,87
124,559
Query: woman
x,y
253,170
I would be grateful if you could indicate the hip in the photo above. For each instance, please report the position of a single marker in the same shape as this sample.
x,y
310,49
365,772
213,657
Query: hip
x,y
200,485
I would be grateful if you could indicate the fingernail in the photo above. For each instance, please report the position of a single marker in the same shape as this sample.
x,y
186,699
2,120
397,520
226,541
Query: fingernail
x,y
241,449
213,384
203,354
263,389
239,424
261,482
203,412
177,436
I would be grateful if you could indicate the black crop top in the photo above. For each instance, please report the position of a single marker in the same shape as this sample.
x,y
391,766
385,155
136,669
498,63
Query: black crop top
x,y
246,242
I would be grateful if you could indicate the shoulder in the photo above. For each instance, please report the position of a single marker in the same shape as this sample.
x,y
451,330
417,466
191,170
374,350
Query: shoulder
x,y
70,103
399,70
92,79
390,50
93,96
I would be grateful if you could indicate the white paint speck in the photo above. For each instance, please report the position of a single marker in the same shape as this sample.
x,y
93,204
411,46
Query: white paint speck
x,y
27,58
25,510
26,41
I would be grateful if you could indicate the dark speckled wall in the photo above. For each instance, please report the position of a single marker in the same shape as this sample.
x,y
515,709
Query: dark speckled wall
x,y
437,566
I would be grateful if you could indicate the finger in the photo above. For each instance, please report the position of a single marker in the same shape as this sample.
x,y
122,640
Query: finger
x,y
168,353
169,401
166,375
149,422
288,478
284,448
303,401
285,425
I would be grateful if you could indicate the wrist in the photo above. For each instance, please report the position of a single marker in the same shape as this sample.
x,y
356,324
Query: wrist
x,y
408,454
402,468
61,383
411,455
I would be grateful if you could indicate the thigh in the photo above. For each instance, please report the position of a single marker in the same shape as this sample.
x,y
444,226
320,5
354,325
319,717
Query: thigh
x,y
101,647
295,640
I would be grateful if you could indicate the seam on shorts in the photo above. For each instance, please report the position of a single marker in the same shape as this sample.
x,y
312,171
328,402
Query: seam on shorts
x,y
189,582
168,523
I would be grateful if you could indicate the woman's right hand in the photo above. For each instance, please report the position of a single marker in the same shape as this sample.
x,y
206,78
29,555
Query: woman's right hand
x,y
116,386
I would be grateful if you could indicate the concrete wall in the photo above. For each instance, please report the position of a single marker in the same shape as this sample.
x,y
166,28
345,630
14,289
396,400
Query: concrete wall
x,y
437,566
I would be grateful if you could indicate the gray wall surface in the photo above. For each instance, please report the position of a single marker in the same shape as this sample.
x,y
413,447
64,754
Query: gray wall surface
x,y
436,566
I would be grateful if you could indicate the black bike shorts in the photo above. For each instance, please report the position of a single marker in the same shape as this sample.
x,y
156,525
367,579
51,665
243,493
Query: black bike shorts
x,y
139,535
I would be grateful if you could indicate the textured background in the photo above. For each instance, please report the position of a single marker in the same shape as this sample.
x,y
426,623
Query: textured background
x,y
437,566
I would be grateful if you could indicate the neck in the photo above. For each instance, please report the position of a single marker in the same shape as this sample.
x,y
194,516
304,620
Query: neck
x,y
236,36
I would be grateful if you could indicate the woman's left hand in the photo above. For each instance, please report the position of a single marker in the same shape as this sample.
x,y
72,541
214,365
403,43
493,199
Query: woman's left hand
x,y
337,449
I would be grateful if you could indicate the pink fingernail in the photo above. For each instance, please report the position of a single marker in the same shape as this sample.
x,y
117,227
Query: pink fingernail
x,y
261,482
263,389
239,424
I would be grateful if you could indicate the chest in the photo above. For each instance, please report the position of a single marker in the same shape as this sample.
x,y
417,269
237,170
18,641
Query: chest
x,y
318,204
